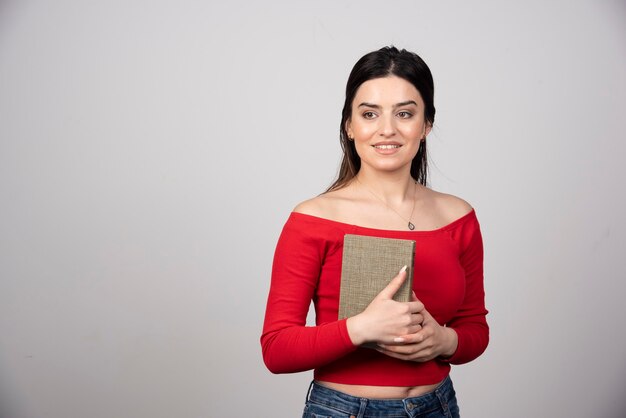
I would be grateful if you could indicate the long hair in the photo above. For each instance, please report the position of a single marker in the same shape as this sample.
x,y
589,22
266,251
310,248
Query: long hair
x,y
387,61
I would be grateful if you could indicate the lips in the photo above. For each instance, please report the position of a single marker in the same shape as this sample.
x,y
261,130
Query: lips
x,y
386,145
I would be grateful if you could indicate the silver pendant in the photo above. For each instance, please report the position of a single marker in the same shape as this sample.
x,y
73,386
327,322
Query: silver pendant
x,y
411,226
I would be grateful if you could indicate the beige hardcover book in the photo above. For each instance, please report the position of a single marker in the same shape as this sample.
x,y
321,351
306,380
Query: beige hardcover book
x,y
368,265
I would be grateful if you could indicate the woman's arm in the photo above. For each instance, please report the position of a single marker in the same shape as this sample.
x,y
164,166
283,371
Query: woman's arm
x,y
288,345
470,321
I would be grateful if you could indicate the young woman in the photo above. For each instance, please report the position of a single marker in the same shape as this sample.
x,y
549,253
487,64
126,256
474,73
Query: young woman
x,y
380,191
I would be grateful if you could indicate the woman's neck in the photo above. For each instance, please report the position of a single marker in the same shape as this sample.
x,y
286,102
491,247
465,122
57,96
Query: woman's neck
x,y
393,188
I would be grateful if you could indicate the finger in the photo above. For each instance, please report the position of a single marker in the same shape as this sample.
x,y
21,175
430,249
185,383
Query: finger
x,y
410,330
417,318
415,307
394,285
414,296
414,338
418,357
391,354
406,338
397,349
411,352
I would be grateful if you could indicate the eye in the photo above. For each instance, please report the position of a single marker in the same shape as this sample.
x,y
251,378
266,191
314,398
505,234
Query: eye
x,y
405,114
369,114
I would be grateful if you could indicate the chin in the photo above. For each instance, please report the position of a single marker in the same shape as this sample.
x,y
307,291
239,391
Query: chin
x,y
389,168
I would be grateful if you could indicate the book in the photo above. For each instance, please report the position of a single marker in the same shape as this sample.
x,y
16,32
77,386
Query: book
x,y
367,267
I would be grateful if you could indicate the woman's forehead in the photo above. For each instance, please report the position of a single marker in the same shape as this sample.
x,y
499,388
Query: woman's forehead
x,y
387,91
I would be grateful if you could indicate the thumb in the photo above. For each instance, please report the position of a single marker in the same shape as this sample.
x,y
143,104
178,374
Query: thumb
x,y
390,290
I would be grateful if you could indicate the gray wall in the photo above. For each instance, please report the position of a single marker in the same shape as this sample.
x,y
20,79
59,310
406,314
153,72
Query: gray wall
x,y
150,152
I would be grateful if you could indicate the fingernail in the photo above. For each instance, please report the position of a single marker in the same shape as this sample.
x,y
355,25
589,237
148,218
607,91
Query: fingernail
x,y
398,340
403,269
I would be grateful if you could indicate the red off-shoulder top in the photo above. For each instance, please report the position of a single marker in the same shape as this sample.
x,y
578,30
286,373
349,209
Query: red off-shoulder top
x,y
448,279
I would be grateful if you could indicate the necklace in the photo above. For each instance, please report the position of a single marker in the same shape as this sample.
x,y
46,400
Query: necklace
x,y
408,221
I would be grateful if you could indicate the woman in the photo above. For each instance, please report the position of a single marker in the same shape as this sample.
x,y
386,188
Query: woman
x,y
380,191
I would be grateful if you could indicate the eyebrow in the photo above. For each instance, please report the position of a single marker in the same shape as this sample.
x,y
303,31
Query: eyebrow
x,y
375,106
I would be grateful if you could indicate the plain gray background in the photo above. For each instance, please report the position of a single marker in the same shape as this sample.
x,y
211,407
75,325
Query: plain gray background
x,y
150,152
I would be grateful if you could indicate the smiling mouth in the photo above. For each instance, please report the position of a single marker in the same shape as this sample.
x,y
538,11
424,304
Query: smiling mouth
x,y
386,146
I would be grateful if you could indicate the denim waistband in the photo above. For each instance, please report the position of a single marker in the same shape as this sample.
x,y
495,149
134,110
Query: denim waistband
x,y
374,408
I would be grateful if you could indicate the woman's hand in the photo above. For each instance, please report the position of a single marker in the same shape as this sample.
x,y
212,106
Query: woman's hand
x,y
433,340
385,320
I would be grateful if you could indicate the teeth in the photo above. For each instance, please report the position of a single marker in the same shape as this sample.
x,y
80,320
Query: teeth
x,y
386,146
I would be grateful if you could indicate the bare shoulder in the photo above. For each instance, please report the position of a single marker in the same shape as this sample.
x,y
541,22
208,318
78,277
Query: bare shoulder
x,y
449,207
314,206
326,205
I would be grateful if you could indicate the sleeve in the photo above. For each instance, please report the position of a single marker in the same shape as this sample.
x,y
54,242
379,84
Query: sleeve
x,y
470,321
288,345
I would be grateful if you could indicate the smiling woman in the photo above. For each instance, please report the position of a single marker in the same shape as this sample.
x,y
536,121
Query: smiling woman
x,y
388,125
381,191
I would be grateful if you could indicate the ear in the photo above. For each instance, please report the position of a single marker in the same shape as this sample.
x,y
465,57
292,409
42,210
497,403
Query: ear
x,y
427,128
349,128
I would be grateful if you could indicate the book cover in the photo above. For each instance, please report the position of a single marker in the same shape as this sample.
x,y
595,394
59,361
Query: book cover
x,y
368,265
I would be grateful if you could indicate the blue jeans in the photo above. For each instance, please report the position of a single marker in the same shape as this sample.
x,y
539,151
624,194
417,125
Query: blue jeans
x,y
323,402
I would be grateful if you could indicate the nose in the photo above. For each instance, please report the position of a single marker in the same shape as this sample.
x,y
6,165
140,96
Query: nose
x,y
388,128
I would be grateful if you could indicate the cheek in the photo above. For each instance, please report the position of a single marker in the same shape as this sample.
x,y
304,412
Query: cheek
x,y
363,131
360,145
413,131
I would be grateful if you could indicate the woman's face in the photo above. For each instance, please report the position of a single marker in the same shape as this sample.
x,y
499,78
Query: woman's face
x,y
387,123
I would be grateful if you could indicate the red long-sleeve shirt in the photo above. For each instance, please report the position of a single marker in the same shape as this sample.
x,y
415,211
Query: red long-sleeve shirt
x,y
448,279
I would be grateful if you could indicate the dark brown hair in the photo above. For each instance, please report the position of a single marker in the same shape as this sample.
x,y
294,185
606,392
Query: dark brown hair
x,y
387,61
